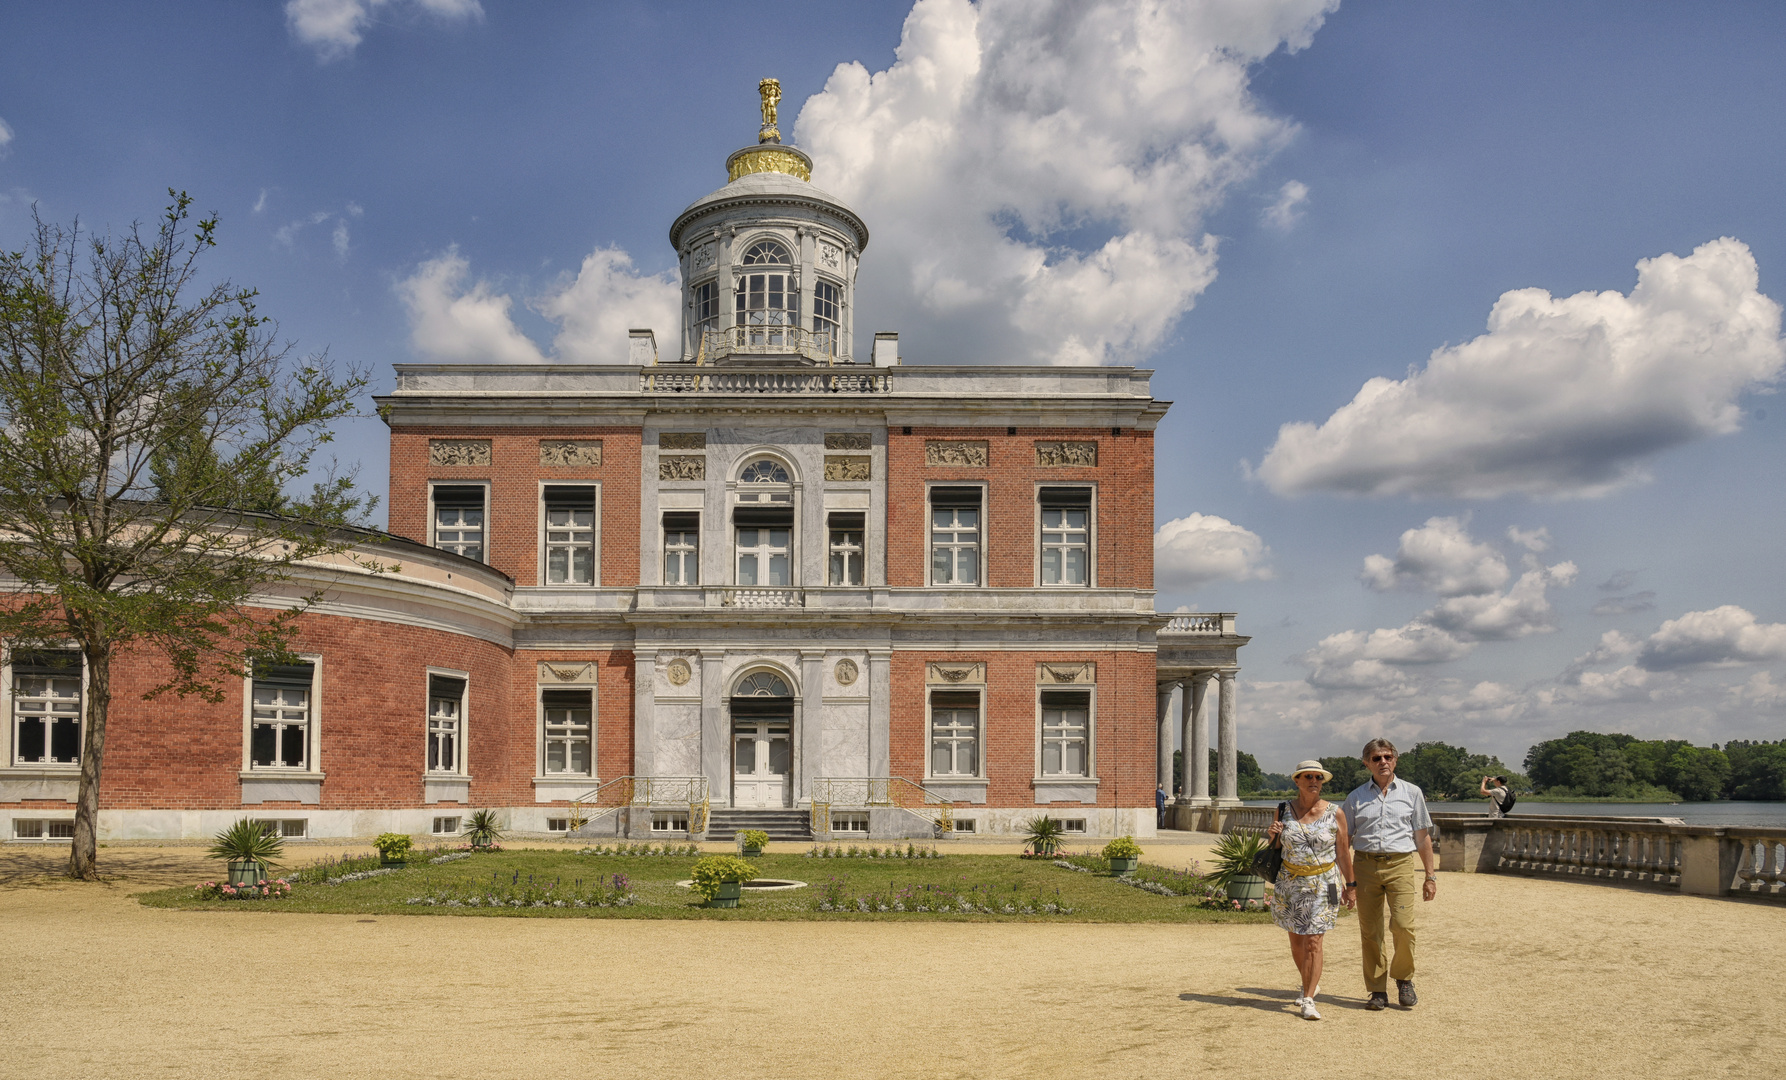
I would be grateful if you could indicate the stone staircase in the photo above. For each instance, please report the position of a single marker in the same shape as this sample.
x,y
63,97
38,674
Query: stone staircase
x,y
779,824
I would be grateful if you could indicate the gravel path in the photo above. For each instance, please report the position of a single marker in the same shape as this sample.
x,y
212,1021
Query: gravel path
x,y
1519,978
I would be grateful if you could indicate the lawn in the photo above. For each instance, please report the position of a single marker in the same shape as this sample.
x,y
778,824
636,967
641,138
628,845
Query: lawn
x,y
554,883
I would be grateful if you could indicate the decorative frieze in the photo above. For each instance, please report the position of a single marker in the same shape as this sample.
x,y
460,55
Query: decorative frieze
x,y
958,453
955,674
846,672
571,452
1066,674
846,467
848,440
458,451
681,467
1066,454
566,673
682,440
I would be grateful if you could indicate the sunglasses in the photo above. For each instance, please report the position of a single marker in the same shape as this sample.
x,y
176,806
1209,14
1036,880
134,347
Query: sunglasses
x,y
1383,757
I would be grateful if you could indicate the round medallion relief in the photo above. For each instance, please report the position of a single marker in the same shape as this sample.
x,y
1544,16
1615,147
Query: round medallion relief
x,y
846,672
678,672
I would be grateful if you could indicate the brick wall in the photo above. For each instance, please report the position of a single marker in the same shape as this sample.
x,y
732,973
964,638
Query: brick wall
x,y
514,474
1124,479
1125,722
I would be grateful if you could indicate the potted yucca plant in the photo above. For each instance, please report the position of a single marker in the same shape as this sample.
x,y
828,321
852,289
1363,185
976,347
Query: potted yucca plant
x,y
1044,836
1233,860
481,831
249,849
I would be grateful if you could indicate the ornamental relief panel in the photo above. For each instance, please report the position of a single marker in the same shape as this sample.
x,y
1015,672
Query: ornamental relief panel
x,y
846,672
458,451
830,256
955,674
843,467
678,672
681,468
571,452
848,440
1066,674
703,257
1066,454
682,440
566,673
962,454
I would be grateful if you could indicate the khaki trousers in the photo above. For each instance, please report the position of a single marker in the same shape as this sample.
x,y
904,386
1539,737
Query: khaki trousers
x,y
1391,881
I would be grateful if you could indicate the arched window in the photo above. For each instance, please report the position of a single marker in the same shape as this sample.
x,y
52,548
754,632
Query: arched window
x,y
762,684
764,471
766,305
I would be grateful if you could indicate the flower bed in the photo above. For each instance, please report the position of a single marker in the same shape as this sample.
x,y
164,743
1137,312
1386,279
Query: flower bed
x,y
603,892
277,889
892,851
679,851
835,896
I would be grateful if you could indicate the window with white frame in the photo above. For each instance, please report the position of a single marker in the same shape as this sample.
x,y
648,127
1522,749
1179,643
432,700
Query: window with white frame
x,y
1072,824
855,821
280,714
1066,733
569,717
459,519
446,723
954,733
682,549
765,300
826,315
966,825
558,824
446,826
43,829
46,707
570,534
764,548
706,298
669,821
285,828
1066,535
954,535
846,549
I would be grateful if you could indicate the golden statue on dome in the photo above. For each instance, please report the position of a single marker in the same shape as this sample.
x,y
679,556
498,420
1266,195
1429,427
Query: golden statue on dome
x,y
771,91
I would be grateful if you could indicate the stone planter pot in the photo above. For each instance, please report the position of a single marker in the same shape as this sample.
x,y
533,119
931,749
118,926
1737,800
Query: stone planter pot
x,y
1246,887
1124,866
752,852
729,892
382,861
245,872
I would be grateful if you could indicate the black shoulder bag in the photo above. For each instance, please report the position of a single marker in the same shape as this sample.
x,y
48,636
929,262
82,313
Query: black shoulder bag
x,y
1270,860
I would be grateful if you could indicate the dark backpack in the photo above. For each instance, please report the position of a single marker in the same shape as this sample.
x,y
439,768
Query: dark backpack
x,y
1507,807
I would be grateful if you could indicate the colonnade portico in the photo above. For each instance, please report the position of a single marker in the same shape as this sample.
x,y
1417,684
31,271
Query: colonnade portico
x,y
1194,651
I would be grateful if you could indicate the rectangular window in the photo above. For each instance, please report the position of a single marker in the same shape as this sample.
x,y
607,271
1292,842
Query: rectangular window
x,y
40,829
279,733
286,828
954,535
446,721
849,821
764,549
825,316
954,733
706,312
846,549
459,520
682,549
966,824
672,821
46,707
558,824
569,716
1072,824
570,535
446,826
1066,733
1066,536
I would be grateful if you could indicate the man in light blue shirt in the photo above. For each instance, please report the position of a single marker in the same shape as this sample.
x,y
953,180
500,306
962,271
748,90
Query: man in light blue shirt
x,y
1389,828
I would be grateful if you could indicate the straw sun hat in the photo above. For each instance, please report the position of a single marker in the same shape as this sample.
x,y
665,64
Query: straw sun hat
x,y
1308,767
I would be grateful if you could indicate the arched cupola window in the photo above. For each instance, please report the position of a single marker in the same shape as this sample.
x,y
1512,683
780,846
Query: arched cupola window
x,y
764,471
766,306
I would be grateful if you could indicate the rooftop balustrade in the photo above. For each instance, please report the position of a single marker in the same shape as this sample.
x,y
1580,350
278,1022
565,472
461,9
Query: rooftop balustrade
x,y
816,346
1211,624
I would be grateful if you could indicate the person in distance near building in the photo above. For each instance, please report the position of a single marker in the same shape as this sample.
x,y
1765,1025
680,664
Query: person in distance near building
x,y
1389,828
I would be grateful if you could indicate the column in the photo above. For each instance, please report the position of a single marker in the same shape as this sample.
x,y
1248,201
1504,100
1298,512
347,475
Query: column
x,y
1198,754
644,709
809,724
1227,749
1163,736
880,712
715,730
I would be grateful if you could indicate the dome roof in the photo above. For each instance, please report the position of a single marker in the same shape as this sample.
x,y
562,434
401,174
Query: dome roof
x,y
768,189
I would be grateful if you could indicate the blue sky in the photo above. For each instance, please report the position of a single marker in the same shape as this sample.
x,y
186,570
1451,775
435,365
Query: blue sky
x,y
1572,521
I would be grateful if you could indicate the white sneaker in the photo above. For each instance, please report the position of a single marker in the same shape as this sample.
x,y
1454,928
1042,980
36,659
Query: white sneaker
x,y
1309,1012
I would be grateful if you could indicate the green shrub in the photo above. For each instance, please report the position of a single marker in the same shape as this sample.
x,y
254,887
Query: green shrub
x,y
1123,847
754,838
393,847
710,870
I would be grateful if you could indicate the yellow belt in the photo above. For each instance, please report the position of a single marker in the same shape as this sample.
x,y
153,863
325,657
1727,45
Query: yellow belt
x,y
1299,870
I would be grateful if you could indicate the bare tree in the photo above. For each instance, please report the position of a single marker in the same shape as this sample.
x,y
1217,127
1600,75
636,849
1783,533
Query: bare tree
x,y
149,430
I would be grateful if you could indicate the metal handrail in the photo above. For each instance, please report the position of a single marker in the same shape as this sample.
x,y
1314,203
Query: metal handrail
x,y
890,791
815,345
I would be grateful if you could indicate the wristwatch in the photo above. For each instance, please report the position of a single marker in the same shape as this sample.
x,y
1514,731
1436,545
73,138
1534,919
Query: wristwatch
x,y
1351,884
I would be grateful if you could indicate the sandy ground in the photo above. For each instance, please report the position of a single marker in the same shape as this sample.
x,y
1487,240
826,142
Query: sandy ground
x,y
1518,978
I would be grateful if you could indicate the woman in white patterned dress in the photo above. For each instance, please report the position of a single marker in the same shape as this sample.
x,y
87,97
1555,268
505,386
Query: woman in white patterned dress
x,y
1317,859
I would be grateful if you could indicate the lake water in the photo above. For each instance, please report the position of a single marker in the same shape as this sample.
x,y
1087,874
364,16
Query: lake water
x,y
1761,814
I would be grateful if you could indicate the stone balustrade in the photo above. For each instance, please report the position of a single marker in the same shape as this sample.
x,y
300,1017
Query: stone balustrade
x,y
1655,852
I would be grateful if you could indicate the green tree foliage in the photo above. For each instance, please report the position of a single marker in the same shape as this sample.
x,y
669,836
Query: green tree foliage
x,y
1348,773
149,428
1757,770
1592,763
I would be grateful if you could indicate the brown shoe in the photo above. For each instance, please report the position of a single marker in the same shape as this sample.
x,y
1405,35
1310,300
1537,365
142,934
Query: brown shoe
x,y
1405,991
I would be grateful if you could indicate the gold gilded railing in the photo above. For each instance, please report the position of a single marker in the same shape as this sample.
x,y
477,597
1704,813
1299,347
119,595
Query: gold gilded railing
x,y
647,791
876,791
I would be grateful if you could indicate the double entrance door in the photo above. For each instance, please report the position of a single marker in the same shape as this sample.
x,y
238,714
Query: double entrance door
x,y
762,761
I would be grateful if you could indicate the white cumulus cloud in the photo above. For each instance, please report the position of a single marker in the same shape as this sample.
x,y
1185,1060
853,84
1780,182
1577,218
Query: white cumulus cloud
x,y
607,299
453,322
334,28
1562,397
1201,548
1721,637
1439,557
1287,210
5,135
1038,171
